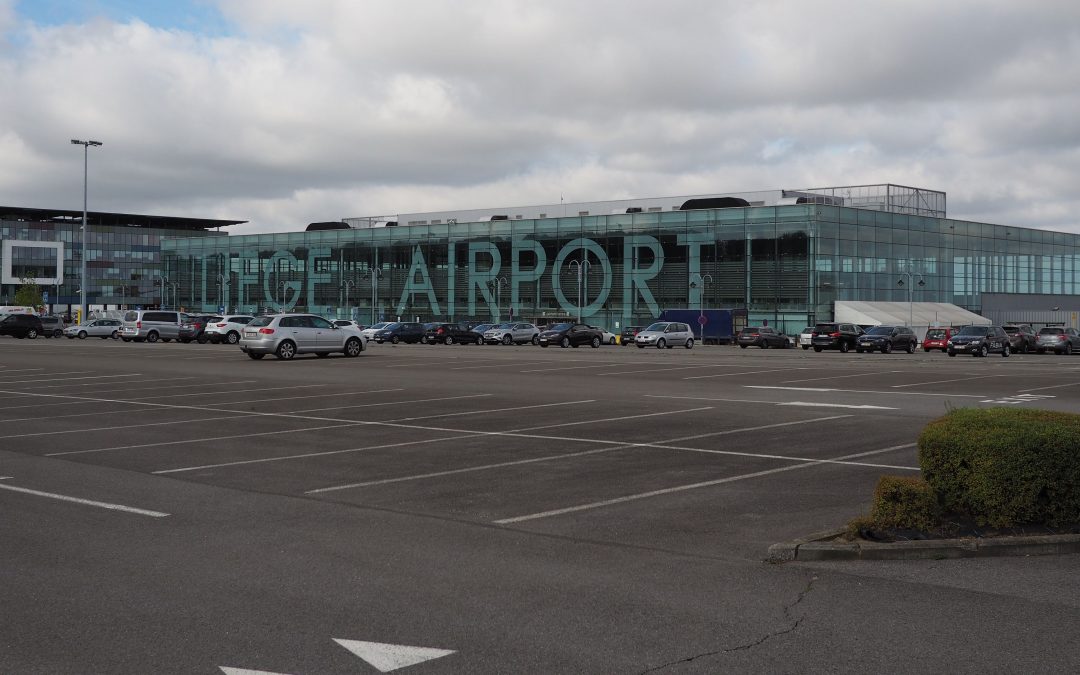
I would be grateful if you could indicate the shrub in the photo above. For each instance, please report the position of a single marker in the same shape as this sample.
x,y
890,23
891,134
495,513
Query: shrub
x,y
1005,466
904,502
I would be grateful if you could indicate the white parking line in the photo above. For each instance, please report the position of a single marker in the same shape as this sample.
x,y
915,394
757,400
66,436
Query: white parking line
x,y
87,502
751,372
614,419
864,391
385,403
486,412
608,448
959,379
664,370
837,377
66,379
692,486
63,372
548,370
1055,386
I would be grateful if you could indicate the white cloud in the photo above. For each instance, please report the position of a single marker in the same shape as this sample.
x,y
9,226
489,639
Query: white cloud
x,y
328,109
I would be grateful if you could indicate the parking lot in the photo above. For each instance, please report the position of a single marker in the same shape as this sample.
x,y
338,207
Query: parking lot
x,y
531,510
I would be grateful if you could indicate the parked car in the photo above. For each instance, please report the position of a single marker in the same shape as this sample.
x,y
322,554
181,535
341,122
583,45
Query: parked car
x,y
512,334
102,328
806,337
53,326
21,326
627,335
887,338
841,336
570,335
450,333
194,328
980,341
286,335
761,336
227,328
343,323
606,336
665,334
1058,340
1022,338
482,327
400,331
369,332
937,337
151,325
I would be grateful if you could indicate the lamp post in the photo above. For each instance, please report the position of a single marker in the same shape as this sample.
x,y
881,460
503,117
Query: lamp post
x,y
349,283
223,299
174,286
374,274
282,284
82,265
497,286
695,280
581,265
910,290
164,280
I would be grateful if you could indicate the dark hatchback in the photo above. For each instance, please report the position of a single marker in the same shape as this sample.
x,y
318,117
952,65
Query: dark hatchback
x,y
571,335
887,338
762,336
626,337
449,333
980,341
406,332
21,326
841,336
195,329
1022,338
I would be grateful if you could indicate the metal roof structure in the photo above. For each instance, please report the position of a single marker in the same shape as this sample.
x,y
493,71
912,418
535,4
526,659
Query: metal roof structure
x,y
63,216
917,315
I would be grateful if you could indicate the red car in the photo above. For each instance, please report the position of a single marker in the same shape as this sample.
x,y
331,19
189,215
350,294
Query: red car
x,y
937,337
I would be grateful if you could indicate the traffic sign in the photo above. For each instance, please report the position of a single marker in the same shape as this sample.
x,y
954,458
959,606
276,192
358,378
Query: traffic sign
x,y
44,296
221,309
702,319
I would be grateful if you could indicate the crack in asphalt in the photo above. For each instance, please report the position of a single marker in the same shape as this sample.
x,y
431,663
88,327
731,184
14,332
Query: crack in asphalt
x,y
794,624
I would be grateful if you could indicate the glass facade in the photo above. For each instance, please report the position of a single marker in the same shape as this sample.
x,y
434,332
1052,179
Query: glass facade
x,y
123,263
786,264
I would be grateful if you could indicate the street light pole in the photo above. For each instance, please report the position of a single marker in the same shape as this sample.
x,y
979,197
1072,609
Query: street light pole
x,y
702,279
82,269
910,291
348,283
581,265
222,299
498,283
164,280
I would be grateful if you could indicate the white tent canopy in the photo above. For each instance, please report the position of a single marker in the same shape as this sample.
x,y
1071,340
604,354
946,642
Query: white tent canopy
x,y
918,315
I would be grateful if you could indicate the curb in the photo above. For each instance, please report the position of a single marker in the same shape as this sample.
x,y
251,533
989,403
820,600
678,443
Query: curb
x,y
819,546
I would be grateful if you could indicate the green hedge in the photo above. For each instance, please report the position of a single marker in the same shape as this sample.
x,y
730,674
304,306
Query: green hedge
x,y
1005,466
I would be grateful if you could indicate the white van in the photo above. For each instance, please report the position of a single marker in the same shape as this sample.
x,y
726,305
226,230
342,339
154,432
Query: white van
x,y
151,325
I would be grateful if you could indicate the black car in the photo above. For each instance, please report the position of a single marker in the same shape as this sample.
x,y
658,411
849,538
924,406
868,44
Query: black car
x,y
400,332
21,326
195,329
762,336
1022,338
571,335
841,336
887,338
980,341
450,333
627,335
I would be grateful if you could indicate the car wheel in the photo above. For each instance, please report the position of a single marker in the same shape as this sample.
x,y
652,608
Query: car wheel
x,y
116,335
32,333
233,337
843,347
911,348
984,350
536,339
764,344
612,340
82,335
57,333
817,349
595,343
886,348
806,346
152,337
508,340
449,340
951,353
1068,349
690,343
1006,351
565,342
286,350
394,340
479,340
253,355
353,347
742,346
661,343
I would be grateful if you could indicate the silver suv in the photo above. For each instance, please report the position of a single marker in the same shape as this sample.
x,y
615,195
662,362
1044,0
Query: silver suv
x,y
665,334
152,325
512,333
286,335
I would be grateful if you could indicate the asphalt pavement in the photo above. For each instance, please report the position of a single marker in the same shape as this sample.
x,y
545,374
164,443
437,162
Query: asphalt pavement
x,y
176,508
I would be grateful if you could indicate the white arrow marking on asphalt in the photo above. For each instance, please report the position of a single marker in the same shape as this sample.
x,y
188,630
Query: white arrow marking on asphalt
x,y
837,405
386,657
244,671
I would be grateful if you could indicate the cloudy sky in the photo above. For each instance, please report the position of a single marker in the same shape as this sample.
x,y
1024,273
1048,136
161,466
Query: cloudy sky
x,y
282,112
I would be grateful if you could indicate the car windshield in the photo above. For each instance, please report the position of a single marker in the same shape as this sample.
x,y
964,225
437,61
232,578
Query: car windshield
x,y
559,326
826,328
657,327
977,331
390,326
935,333
880,330
808,329
260,321
751,329
1012,330
1052,331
